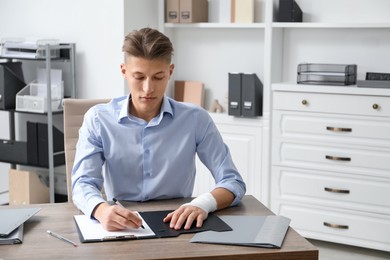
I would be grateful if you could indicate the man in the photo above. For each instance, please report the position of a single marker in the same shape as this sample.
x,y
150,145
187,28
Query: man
x,y
146,143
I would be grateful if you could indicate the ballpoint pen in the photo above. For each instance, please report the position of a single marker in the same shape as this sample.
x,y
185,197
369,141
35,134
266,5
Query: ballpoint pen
x,y
120,204
61,238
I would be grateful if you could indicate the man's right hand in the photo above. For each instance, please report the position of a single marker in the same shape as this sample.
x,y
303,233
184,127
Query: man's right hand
x,y
115,217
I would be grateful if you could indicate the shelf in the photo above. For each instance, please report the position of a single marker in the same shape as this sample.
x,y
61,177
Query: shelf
x,y
332,25
60,112
216,25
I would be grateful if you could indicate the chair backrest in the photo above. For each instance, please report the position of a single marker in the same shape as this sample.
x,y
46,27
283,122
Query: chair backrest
x,y
74,110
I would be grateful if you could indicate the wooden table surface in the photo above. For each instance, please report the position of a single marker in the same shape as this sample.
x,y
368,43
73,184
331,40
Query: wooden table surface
x,y
59,218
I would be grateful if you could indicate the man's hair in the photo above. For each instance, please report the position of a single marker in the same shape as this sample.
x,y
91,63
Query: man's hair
x,y
149,44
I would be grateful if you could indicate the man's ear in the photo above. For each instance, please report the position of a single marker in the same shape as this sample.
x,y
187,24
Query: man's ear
x,y
171,69
123,70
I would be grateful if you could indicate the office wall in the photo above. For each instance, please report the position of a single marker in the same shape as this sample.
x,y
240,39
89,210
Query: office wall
x,y
96,26
138,14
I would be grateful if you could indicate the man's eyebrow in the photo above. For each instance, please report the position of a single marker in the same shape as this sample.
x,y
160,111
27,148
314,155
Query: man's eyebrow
x,y
139,72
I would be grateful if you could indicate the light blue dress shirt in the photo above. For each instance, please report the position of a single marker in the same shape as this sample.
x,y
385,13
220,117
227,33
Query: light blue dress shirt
x,y
141,161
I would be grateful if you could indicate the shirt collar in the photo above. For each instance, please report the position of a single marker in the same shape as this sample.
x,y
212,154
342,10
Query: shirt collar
x,y
124,110
166,107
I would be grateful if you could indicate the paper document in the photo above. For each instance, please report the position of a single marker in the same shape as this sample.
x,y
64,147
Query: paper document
x,y
257,231
92,231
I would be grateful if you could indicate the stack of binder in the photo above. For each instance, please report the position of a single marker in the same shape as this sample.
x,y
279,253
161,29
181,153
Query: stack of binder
x,y
327,74
245,95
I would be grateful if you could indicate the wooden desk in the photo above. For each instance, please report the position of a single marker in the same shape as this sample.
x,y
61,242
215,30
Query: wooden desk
x,y
59,218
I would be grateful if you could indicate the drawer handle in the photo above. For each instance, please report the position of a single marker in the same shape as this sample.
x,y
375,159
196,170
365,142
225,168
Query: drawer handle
x,y
336,225
336,190
305,102
338,129
375,106
336,158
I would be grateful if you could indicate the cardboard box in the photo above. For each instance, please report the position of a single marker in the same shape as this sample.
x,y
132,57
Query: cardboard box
x,y
189,91
25,187
193,11
242,11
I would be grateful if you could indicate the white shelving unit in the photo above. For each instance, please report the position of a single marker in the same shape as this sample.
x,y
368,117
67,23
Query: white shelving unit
x,y
67,55
207,52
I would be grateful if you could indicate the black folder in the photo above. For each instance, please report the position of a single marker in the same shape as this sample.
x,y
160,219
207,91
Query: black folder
x,y
234,106
162,229
251,96
154,221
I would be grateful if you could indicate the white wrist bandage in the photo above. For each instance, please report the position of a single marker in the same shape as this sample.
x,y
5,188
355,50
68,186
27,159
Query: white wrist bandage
x,y
205,201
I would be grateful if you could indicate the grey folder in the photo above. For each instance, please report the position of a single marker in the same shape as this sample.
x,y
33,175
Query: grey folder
x,y
12,218
15,237
256,231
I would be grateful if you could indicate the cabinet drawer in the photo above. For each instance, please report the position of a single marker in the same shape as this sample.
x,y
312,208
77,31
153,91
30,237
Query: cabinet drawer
x,y
332,103
332,189
318,156
334,128
350,227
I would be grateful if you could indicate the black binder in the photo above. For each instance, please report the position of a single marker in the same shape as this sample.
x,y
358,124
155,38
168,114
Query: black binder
x,y
289,11
252,96
32,143
234,106
12,151
11,82
43,144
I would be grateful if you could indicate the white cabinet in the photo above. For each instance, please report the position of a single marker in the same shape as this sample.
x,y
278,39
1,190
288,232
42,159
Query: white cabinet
x,y
330,152
244,139
311,145
331,162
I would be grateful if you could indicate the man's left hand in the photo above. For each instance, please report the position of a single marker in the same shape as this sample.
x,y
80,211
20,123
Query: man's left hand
x,y
186,215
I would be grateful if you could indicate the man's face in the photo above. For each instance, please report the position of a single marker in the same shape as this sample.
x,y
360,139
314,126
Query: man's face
x,y
147,81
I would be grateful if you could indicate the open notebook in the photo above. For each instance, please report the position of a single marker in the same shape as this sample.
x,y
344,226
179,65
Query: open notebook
x,y
92,231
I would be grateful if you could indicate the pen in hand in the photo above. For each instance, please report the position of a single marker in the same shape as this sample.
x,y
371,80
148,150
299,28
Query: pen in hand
x,y
118,203
61,238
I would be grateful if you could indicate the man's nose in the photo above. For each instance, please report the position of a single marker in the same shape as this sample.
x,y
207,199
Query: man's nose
x,y
148,86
